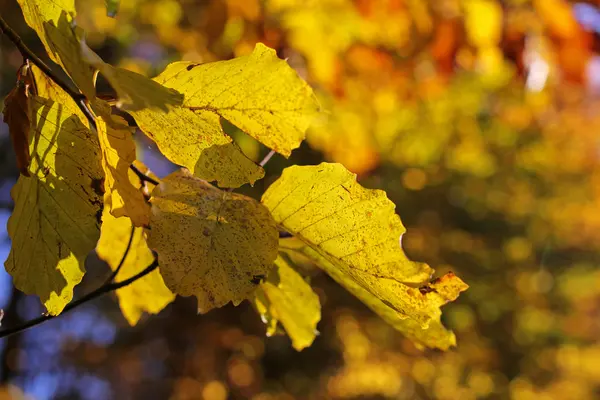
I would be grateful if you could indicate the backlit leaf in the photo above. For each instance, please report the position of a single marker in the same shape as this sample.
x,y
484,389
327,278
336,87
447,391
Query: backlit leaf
x,y
358,233
197,141
148,294
122,198
285,297
211,244
56,219
259,93
53,22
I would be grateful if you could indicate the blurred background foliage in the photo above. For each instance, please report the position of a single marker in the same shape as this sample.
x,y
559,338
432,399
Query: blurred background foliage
x,y
480,120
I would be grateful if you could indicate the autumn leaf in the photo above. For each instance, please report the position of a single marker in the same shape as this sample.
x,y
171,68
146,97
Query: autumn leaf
x,y
53,21
354,235
197,141
56,219
211,244
17,116
122,197
259,93
148,294
286,298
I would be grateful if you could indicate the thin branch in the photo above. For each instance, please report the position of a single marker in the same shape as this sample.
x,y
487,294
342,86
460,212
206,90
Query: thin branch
x,y
143,177
127,249
90,296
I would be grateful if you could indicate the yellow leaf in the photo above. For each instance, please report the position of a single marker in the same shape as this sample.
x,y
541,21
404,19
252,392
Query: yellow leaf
x,y
285,297
122,198
148,294
196,141
53,20
56,219
358,234
259,93
210,243
134,91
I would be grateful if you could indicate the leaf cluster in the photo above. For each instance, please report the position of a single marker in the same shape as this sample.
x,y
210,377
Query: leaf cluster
x,y
81,189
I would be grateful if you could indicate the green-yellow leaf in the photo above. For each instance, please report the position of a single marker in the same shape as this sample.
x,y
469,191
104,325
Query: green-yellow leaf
x,y
285,297
56,219
122,198
211,244
196,141
259,93
53,20
148,294
358,234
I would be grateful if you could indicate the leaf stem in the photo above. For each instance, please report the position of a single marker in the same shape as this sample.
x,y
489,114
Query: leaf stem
x,y
106,288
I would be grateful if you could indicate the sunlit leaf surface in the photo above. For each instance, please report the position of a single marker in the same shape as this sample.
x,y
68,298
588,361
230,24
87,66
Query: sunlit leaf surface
x,y
354,235
56,221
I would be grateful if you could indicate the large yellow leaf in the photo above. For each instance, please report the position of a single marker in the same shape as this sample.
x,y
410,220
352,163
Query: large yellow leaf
x,y
56,219
358,233
196,141
52,20
148,294
122,198
259,93
285,297
210,243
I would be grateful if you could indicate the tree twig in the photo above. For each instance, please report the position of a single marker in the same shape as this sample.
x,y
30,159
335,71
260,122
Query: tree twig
x,y
267,158
106,288
143,177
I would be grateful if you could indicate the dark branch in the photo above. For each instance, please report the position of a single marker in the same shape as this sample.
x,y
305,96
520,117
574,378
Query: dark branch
x,y
143,177
106,288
